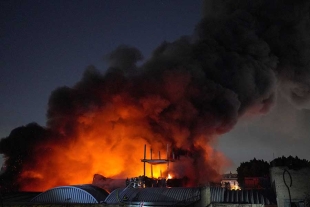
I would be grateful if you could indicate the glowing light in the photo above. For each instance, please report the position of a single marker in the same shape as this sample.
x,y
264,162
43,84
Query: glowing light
x,y
236,187
108,138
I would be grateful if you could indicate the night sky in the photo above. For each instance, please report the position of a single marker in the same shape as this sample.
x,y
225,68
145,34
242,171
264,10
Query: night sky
x,y
48,44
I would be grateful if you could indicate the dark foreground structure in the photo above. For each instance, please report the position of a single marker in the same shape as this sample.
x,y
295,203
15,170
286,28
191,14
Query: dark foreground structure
x,y
290,188
82,195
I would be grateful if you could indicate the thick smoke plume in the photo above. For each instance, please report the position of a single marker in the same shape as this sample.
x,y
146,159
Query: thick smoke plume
x,y
187,94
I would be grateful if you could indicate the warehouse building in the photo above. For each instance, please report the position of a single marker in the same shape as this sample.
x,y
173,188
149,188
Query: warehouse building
x,y
289,186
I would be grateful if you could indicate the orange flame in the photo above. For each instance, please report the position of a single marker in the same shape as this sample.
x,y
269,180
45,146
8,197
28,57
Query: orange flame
x,y
109,139
169,176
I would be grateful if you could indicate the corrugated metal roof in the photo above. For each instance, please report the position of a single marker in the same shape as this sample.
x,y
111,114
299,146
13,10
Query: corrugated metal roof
x,y
221,195
217,194
154,196
72,194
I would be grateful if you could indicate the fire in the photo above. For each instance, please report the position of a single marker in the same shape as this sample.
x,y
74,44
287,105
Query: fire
x,y
103,132
236,187
169,176
155,171
187,93
96,152
112,150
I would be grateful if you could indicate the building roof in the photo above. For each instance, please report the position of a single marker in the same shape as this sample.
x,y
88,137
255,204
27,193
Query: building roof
x,y
72,194
154,196
222,195
230,176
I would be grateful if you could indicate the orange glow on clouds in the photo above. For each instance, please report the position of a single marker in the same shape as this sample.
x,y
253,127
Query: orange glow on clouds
x,y
108,139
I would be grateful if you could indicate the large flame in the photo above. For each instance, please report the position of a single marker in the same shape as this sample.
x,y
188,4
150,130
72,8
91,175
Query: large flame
x,y
109,140
188,93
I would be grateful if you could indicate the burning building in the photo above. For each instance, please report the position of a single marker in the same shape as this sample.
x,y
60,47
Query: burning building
x,y
187,94
230,181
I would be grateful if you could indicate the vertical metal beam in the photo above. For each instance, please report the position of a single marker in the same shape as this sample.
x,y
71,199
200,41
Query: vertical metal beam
x,y
151,165
167,160
144,160
161,175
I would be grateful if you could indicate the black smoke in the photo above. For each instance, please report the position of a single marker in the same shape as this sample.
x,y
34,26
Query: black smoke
x,y
282,29
241,53
21,146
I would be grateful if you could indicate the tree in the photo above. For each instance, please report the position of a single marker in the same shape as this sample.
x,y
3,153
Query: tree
x,y
290,162
260,168
252,168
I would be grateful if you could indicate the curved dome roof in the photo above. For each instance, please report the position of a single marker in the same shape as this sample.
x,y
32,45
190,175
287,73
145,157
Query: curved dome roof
x,y
152,196
221,195
72,194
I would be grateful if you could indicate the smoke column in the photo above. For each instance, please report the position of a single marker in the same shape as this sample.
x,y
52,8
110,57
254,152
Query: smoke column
x,y
188,93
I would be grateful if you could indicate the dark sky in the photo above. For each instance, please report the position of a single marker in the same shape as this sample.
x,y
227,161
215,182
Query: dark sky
x,y
48,44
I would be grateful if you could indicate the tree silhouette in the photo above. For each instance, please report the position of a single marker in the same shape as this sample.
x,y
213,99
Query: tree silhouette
x,y
260,168
290,162
252,168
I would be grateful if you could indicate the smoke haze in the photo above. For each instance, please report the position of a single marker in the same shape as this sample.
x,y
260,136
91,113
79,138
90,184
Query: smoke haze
x,y
187,94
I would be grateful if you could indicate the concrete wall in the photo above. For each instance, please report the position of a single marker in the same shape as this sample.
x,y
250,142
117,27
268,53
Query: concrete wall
x,y
300,184
205,197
